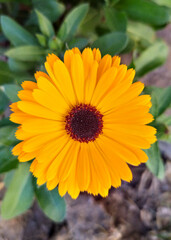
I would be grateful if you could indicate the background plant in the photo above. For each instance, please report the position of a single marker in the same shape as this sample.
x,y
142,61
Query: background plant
x,y
32,29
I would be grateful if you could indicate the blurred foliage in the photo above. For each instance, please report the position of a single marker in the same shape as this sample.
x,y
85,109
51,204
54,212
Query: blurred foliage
x,y
29,30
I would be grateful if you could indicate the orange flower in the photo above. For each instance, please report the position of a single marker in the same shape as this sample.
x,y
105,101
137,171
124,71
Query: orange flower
x,y
82,123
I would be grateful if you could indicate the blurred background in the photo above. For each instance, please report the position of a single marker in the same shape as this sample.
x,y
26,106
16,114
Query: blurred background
x,y
140,32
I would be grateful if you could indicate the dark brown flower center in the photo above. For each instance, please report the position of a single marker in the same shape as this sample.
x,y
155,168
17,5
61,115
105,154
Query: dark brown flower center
x,y
84,123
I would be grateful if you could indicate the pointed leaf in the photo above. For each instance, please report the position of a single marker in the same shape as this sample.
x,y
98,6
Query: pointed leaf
x,y
19,195
8,178
26,53
19,66
138,9
16,34
128,48
155,163
51,203
41,39
50,8
111,43
11,90
155,105
151,58
141,32
7,160
90,23
164,119
7,136
45,25
164,100
55,44
161,129
72,22
78,42
116,20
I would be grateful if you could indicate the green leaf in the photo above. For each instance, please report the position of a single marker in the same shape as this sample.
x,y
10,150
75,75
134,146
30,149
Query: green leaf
x,y
155,105
164,119
111,2
4,101
18,1
41,39
7,136
19,195
26,53
101,30
72,22
116,20
88,26
45,25
157,90
6,122
152,57
78,42
166,3
6,76
51,203
16,34
55,44
155,163
129,47
138,9
19,66
141,32
24,76
50,8
161,129
11,90
164,100
166,137
8,178
111,43
7,160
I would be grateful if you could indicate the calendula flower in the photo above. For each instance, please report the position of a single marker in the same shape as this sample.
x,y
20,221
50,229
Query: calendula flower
x,y
82,122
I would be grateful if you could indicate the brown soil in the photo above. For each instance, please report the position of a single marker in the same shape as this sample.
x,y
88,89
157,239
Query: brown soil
x,y
140,210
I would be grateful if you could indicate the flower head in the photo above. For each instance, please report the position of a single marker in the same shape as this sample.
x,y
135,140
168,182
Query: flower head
x,y
82,122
